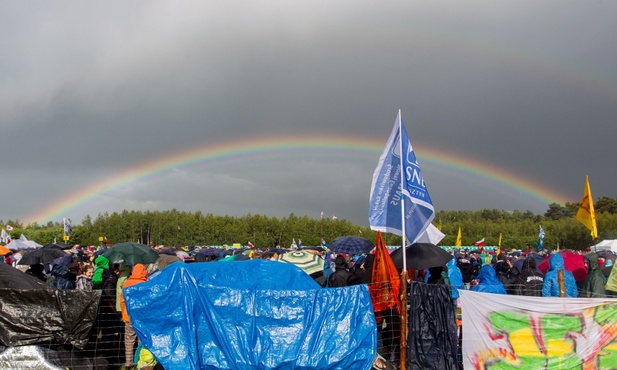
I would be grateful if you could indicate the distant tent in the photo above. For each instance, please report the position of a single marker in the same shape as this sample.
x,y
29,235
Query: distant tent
x,y
18,245
605,245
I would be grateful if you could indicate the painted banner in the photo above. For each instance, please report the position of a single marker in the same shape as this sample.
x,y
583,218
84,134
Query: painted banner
x,y
517,332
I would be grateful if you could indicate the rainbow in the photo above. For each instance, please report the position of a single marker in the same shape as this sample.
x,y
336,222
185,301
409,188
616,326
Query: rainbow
x,y
346,146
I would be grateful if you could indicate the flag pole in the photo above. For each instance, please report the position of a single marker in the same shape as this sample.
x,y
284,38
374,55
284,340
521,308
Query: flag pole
x,y
403,291
400,142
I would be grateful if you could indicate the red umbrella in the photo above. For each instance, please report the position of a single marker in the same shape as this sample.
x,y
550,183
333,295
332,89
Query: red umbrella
x,y
574,262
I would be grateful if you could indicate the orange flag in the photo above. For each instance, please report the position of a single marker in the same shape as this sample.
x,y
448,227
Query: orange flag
x,y
385,281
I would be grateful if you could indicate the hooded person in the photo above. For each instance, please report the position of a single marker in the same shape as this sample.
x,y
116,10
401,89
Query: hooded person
x,y
138,275
488,282
341,276
61,281
456,280
101,263
125,272
529,281
593,286
550,286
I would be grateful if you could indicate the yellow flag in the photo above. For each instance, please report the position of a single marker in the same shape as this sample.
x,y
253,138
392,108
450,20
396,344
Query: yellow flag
x,y
498,246
459,238
586,214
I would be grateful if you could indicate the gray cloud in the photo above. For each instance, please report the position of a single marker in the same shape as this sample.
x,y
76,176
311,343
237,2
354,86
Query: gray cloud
x,y
88,91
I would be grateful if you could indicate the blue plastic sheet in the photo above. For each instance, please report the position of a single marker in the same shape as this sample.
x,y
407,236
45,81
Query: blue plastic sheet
x,y
255,314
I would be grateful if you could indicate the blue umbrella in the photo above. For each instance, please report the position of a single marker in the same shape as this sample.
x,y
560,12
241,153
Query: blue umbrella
x,y
351,245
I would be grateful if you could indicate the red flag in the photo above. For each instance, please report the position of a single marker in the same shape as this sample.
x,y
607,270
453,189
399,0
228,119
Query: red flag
x,y
479,243
250,245
385,281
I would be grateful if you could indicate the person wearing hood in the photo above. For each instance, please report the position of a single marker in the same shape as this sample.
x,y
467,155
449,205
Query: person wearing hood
x,y
61,281
529,281
550,286
101,264
488,282
341,276
138,275
456,280
125,272
593,286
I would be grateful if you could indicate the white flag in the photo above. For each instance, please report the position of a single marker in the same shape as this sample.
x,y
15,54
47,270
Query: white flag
x,y
398,175
68,230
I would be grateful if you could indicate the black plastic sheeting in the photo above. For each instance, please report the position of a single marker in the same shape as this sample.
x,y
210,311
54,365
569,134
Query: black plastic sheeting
x,y
432,337
34,312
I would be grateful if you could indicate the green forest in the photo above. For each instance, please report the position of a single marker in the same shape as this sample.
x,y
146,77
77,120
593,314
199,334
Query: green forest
x,y
519,230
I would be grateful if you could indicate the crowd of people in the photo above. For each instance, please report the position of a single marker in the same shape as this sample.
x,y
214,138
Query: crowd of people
x,y
512,272
87,269
516,273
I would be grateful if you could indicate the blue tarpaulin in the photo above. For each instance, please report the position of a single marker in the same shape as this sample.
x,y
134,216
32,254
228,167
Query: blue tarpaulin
x,y
255,314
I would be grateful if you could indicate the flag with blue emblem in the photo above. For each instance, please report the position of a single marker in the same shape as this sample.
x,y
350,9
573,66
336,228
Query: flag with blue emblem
x,y
397,183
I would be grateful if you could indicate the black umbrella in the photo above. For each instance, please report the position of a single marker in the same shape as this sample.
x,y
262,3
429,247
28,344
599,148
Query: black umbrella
x,y
351,245
59,246
421,256
42,255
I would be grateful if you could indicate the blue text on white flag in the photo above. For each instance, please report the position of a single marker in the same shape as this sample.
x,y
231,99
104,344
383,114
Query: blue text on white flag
x,y
388,187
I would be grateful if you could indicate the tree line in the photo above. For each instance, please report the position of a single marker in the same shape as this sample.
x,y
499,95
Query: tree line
x,y
518,230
